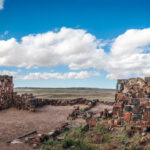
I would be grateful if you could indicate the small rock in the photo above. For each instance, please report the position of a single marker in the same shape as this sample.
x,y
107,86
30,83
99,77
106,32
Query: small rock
x,y
39,135
26,139
34,145
51,133
16,141
143,140
144,134
60,138
92,123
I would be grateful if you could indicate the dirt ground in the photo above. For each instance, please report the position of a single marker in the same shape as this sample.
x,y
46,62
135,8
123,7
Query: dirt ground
x,y
101,107
15,123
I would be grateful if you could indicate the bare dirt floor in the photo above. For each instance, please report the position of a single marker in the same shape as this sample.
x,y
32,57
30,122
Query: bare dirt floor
x,y
15,123
101,107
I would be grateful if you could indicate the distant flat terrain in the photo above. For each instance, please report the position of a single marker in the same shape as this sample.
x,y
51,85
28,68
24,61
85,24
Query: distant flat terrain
x,y
70,93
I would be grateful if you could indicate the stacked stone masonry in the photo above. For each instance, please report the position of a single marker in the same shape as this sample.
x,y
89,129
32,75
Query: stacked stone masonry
x,y
132,101
9,98
6,91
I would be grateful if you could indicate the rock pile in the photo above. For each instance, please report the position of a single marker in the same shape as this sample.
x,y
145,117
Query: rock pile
x,y
25,101
132,101
38,139
83,113
9,98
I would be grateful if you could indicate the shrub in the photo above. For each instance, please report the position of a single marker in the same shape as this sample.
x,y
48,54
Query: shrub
x,y
106,138
122,137
77,133
100,128
52,143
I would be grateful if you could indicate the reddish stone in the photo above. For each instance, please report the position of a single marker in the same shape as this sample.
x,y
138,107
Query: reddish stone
x,y
127,116
109,148
118,122
92,123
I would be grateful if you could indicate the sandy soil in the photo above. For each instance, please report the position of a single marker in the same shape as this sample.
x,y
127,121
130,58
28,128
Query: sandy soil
x,y
101,107
15,123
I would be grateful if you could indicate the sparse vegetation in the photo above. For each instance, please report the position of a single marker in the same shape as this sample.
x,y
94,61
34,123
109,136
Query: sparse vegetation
x,y
122,136
98,138
101,128
70,93
52,143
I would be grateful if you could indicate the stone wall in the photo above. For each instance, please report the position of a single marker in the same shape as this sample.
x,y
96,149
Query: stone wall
x,y
6,92
9,98
132,101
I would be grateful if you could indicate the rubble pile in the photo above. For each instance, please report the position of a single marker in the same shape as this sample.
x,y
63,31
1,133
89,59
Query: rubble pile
x,y
25,101
132,102
9,98
57,102
83,113
38,139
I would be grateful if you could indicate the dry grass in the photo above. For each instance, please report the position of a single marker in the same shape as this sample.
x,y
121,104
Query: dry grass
x,y
70,93
99,138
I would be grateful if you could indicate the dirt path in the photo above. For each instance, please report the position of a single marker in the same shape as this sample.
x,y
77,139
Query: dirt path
x,y
14,123
101,107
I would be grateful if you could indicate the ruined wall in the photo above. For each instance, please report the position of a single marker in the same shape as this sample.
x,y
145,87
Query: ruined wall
x,y
6,91
132,101
9,98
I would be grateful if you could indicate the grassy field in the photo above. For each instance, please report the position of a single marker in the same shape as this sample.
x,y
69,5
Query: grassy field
x,y
70,93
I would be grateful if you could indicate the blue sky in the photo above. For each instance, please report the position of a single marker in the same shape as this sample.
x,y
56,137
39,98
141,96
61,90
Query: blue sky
x,y
83,43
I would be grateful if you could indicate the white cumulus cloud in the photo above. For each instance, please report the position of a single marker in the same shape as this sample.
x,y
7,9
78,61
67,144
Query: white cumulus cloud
x,y
50,75
6,72
75,48
1,4
69,75
72,47
130,54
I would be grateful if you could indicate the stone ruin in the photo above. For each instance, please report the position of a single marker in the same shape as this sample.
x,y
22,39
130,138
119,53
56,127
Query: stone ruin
x,y
9,98
132,102
131,106
6,91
